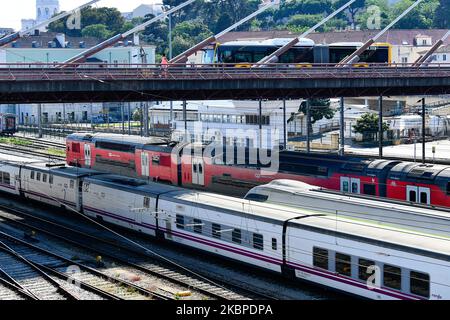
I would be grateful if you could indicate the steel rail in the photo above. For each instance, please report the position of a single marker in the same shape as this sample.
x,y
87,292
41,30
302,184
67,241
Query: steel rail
x,y
80,265
111,255
64,292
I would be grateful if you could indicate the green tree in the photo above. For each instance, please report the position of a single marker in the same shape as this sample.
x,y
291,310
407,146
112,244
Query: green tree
x,y
110,17
351,13
318,109
368,123
365,17
301,22
96,30
187,34
442,20
420,17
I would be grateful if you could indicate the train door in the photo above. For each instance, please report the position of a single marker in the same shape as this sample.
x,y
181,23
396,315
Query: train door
x,y
145,164
198,171
424,195
87,155
345,184
350,185
418,194
411,193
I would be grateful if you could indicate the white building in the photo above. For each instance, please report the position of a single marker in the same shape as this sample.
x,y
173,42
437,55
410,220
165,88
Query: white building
x,y
231,122
45,9
441,55
141,11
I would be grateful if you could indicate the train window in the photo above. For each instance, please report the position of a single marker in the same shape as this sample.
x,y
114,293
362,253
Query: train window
x,y
195,168
257,197
355,187
44,178
420,284
392,277
258,241
236,236
320,258
424,198
198,226
180,222
50,179
200,168
38,176
412,196
146,202
72,184
6,178
345,186
76,148
370,189
343,264
363,268
216,228
32,175
448,188
274,244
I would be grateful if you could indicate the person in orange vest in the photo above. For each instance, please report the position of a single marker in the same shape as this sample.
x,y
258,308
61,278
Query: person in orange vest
x,y
164,65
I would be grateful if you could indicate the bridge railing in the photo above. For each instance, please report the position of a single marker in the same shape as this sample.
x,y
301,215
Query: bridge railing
x,y
110,72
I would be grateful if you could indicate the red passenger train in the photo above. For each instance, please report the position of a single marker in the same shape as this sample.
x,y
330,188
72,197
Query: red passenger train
x,y
158,159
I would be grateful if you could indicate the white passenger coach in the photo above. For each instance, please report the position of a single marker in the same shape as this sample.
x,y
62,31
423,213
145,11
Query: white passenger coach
x,y
357,256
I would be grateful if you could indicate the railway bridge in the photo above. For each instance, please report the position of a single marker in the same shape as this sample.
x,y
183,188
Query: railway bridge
x,y
46,83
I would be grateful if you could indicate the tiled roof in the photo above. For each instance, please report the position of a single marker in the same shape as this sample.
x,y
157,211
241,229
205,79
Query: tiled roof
x,y
45,37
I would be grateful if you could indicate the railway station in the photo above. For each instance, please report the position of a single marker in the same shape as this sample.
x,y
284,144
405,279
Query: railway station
x,y
250,152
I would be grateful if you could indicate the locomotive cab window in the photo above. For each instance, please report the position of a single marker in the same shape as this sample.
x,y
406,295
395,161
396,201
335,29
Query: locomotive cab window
x,y
32,175
258,241
38,176
320,258
44,178
392,277
420,284
343,264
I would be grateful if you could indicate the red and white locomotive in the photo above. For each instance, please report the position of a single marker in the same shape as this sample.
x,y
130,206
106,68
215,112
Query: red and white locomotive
x,y
158,159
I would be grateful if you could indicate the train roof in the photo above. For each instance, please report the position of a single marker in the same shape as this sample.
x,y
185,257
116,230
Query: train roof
x,y
63,170
297,187
131,184
388,237
419,172
364,231
117,138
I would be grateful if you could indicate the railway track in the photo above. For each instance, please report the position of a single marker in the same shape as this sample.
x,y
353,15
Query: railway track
x,y
21,150
132,258
46,275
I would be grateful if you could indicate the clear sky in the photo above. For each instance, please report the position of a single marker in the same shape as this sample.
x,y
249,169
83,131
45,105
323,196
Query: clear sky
x,y
12,12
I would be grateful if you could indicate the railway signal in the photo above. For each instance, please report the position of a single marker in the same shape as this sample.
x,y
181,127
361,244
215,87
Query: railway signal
x,y
183,57
83,56
12,37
